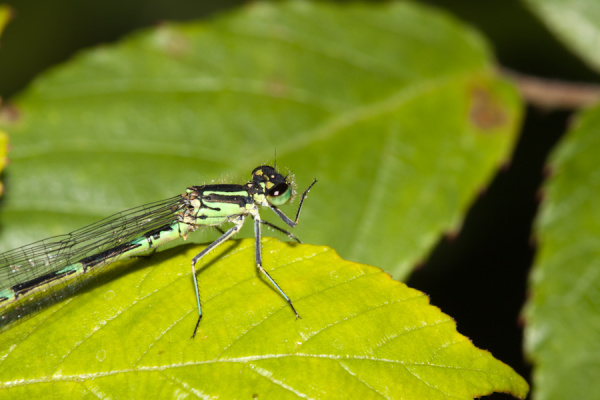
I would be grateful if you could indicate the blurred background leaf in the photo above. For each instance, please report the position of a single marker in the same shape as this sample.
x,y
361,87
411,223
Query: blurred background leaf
x,y
566,278
563,318
575,22
361,333
5,14
400,136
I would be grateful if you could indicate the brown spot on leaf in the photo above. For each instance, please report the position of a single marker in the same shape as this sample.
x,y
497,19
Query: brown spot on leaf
x,y
173,42
452,234
276,87
486,113
540,195
9,114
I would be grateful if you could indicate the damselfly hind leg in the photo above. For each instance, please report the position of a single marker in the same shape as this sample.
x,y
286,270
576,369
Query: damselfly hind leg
x,y
238,225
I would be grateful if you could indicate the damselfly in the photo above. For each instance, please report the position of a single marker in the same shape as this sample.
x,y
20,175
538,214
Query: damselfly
x,y
60,260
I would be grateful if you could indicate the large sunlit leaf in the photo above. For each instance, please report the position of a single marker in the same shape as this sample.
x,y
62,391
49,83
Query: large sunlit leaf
x,y
575,22
563,330
361,334
394,107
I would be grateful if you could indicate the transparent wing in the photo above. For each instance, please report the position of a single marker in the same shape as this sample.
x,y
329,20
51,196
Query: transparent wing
x,y
50,255
53,254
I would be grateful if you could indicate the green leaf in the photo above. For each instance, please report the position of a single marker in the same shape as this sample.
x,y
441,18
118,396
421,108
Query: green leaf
x,y
365,98
575,23
361,333
5,16
3,151
563,330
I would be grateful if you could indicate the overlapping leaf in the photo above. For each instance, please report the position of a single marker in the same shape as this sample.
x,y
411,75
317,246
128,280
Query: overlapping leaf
x,y
563,333
575,22
365,98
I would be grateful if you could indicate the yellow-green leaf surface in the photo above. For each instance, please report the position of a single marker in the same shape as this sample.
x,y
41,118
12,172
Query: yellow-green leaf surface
x,y
575,23
362,335
395,108
3,152
3,159
5,15
563,330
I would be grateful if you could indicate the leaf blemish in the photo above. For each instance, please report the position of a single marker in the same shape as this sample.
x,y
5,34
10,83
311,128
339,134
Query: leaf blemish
x,y
485,112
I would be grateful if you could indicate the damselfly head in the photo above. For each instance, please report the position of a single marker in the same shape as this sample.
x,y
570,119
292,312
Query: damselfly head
x,y
278,190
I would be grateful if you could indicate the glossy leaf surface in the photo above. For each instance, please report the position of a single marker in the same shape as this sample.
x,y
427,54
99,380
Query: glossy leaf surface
x,y
361,332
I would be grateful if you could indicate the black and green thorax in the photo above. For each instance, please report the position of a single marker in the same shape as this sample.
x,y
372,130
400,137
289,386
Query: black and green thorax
x,y
220,203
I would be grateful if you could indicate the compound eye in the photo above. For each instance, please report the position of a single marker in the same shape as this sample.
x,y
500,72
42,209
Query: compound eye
x,y
279,194
278,190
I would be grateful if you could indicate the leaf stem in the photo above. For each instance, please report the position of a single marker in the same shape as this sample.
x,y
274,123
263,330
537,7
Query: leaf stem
x,y
552,94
